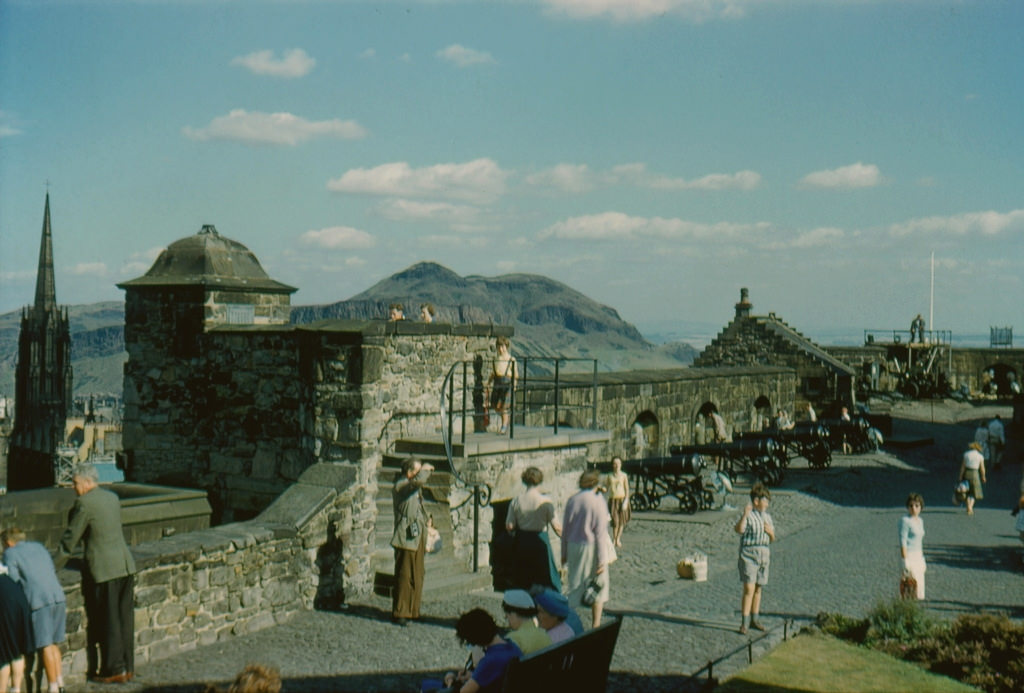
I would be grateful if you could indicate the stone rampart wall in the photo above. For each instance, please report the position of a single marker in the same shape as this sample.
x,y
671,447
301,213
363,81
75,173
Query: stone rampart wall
x,y
202,587
668,403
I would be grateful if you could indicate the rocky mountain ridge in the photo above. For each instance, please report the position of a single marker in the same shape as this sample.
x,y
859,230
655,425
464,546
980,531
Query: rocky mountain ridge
x,y
549,317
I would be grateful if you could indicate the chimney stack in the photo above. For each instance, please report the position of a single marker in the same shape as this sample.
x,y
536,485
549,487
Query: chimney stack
x,y
744,306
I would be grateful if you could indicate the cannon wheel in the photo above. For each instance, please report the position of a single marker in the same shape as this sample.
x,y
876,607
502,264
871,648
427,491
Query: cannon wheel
x,y
819,457
769,473
653,501
637,502
688,502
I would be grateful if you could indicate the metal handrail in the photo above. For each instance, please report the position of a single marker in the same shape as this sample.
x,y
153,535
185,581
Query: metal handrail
x,y
450,407
932,337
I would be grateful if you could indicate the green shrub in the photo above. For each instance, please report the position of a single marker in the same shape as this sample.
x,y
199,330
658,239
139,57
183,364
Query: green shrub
x,y
982,650
843,627
900,621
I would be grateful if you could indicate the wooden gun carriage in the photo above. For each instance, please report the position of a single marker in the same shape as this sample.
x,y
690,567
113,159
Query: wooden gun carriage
x,y
808,439
854,431
764,458
654,478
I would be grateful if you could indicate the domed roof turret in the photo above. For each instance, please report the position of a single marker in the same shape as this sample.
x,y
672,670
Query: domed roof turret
x,y
208,259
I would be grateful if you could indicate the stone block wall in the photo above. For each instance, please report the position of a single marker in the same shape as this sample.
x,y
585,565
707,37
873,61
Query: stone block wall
x,y
674,398
206,586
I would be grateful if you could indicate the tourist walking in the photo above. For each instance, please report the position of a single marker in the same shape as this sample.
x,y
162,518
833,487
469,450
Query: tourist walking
x,y
617,485
409,540
529,515
108,580
972,470
586,546
996,441
911,528
756,531
29,564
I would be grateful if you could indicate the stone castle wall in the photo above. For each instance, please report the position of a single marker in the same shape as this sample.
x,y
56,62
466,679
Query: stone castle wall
x,y
669,401
202,587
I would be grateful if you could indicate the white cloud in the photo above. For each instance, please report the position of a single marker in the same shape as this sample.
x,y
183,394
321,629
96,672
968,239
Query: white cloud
x,y
856,175
618,226
464,57
817,237
742,180
461,217
17,275
273,128
640,10
338,238
294,63
571,178
973,223
7,129
139,262
368,54
94,269
478,180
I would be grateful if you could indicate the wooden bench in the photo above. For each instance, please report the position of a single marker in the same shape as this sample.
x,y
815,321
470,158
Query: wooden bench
x,y
578,664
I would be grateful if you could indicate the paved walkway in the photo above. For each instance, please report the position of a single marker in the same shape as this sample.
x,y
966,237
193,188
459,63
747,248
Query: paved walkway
x,y
837,551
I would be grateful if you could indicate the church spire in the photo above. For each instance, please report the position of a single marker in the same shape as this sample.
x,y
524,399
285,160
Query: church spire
x,y
46,291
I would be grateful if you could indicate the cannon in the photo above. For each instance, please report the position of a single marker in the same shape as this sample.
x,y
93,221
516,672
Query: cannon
x,y
807,439
653,478
765,458
854,432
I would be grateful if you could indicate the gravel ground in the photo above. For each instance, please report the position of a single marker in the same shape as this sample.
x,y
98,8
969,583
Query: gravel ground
x,y
836,551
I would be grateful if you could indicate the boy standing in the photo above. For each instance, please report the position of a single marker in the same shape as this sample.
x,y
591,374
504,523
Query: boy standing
x,y
756,531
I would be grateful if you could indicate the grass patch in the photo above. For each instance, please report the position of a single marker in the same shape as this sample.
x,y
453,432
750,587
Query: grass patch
x,y
816,662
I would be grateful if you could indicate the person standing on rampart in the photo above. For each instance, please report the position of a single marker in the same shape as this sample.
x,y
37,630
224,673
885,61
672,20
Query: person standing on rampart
x,y
409,540
503,380
917,329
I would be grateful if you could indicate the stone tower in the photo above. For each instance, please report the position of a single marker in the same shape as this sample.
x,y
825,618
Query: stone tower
x,y
42,379
200,287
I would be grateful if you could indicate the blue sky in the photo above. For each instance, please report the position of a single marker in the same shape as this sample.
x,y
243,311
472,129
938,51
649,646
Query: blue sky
x,y
656,155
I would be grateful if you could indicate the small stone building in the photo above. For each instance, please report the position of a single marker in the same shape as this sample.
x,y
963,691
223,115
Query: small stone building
x,y
767,340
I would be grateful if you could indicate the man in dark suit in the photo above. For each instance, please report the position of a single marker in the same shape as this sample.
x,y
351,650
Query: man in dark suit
x,y
108,578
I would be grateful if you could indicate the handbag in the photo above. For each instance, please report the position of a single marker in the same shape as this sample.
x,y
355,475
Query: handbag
x,y
960,492
908,586
592,591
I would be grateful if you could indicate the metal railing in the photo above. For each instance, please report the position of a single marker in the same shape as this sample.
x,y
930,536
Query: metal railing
x,y
540,387
930,337
464,393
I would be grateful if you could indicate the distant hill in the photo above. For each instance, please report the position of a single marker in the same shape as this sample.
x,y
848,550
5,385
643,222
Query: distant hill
x,y
97,347
550,319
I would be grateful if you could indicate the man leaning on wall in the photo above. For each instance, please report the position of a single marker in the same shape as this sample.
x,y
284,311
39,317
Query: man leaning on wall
x,y
108,577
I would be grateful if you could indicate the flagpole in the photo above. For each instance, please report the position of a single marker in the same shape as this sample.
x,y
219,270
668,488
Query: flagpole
x,y
931,301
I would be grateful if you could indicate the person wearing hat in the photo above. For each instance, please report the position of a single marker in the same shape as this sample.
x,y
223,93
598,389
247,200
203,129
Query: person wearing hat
x,y
552,614
586,544
972,469
521,613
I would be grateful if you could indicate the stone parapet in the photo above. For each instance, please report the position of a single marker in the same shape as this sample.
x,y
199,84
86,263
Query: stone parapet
x,y
202,587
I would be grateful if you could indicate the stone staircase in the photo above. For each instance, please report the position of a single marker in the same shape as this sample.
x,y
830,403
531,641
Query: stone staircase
x,y
445,575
